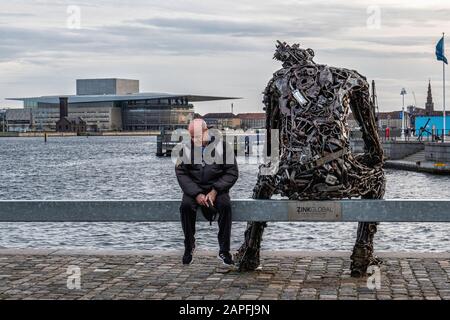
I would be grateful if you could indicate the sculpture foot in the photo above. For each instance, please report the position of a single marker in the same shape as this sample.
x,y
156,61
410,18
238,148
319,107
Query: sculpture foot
x,y
247,260
247,257
362,257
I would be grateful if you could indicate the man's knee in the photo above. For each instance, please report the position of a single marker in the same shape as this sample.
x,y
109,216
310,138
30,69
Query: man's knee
x,y
223,202
188,204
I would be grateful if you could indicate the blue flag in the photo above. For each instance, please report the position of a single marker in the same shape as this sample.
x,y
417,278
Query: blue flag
x,y
440,51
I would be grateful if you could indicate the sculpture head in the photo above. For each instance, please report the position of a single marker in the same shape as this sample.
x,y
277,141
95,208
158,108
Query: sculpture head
x,y
291,55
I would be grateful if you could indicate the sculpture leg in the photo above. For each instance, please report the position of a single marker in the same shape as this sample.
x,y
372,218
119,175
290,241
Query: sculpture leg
x,y
362,256
247,257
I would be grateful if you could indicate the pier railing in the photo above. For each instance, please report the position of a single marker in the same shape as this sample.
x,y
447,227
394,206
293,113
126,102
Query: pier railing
x,y
243,210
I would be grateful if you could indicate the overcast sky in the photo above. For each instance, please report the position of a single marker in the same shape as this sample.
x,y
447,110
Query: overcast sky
x,y
217,47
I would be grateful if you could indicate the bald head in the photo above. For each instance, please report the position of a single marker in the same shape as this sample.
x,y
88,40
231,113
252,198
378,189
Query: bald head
x,y
198,131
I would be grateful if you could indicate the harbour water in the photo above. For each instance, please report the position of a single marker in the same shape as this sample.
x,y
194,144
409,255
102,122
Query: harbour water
x,y
127,168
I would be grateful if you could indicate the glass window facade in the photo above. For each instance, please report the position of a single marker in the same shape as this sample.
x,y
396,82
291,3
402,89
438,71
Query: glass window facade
x,y
156,114
30,104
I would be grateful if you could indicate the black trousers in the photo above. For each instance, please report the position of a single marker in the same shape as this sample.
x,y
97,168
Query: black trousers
x,y
188,211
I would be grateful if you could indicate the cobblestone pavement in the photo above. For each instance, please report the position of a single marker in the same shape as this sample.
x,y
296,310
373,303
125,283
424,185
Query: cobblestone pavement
x,y
43,274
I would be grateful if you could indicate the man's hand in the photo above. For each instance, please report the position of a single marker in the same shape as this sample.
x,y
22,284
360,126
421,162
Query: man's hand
x,y
211,197
201,199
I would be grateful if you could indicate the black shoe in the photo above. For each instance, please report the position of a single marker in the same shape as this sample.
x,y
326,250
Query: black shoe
x,y
187,257
226,258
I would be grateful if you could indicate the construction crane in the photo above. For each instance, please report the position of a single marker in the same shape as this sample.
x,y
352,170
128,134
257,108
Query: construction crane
x,y
376,111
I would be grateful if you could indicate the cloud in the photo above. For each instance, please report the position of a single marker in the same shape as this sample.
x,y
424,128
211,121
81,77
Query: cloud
x,y
374,53
29,44
175,33
238,28
15,14
395,41
212,26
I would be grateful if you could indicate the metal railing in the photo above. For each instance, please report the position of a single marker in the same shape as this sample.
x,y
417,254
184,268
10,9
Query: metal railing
x,y
432,135
243,210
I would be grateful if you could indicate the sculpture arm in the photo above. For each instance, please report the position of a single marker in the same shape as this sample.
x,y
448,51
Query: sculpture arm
x,y
363,111
264,186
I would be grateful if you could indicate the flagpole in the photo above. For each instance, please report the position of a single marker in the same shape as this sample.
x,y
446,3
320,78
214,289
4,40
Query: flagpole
x,y
443,87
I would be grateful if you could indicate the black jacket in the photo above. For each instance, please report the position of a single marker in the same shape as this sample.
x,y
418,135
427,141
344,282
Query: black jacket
x,y
202,178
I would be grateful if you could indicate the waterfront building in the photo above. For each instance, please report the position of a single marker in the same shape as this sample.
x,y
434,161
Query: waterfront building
x,y
2,120
112,86
117,104
420,116
222,120
435,124
66,123
393,120
252,120
19,120
71,124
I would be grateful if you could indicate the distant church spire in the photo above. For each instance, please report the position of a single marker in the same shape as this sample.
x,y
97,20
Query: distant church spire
x,y
429,106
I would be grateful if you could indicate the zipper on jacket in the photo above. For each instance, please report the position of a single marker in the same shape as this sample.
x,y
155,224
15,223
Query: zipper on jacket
x,y
203,170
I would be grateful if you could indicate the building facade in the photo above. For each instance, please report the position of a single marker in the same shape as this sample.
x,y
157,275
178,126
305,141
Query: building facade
x,y
433,124
66,123
253,120
420,116
393,120
19,120
107,86
155,114
222,120
2,120
71,124
99,116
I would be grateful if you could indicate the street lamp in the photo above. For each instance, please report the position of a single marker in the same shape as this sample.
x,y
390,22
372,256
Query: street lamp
x,y
403,93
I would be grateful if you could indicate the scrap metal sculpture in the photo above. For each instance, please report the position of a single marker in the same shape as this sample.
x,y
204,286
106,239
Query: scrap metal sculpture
x,y
309,104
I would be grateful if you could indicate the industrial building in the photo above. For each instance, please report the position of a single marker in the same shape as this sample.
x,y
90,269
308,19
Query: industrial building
x,y
66,123
116,105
